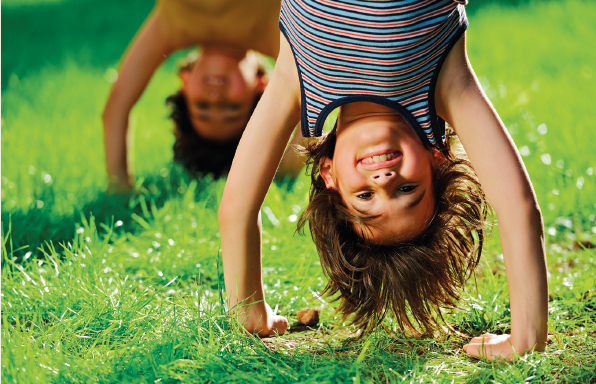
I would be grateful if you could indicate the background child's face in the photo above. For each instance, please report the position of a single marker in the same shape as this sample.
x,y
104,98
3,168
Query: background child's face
x,y
220,91
380,167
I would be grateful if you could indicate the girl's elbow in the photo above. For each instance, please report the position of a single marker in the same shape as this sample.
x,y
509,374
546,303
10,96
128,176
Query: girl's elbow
x,y
224,213
531,208
235,213
521,210
106,114
230,210
532,215
110,113
117,106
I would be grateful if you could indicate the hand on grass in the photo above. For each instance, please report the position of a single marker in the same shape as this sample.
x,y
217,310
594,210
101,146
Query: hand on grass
x,y
491,347
265,323
118,185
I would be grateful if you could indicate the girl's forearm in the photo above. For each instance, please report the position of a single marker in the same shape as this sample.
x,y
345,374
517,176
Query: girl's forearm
x,y
116,149
522,239
241,247
142,57
241,243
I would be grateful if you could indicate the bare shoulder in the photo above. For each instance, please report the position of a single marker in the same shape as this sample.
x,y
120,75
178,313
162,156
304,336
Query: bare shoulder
x,y
285,71
455,76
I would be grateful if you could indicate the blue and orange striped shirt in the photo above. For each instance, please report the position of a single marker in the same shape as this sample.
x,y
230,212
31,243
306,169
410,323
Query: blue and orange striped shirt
x,y
387,52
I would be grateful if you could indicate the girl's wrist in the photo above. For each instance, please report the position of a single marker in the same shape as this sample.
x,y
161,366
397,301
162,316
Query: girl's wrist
x,y
529,338
253,316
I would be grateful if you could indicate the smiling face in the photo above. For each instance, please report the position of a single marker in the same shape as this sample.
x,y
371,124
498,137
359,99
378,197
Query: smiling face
x,y
381,168
220,90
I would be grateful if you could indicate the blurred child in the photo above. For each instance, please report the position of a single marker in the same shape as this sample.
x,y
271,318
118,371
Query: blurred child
x,y
220,86
396,214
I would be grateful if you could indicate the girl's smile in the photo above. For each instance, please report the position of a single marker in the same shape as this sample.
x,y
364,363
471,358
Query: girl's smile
x,y
379,160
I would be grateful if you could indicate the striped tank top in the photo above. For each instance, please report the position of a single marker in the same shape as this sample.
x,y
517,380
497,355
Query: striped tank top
x,y
386,52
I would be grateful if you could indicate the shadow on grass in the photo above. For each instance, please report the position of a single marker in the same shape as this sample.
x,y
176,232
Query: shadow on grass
x,y
32,228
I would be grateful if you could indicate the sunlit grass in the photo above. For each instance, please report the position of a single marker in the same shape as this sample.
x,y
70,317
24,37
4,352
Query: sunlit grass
x,y
99,288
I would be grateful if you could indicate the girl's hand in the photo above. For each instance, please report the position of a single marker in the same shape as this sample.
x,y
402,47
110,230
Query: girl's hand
x,y
491,347
265,323
118,185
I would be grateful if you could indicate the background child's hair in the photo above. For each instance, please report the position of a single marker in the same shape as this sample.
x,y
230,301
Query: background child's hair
x,y
413,279
197,154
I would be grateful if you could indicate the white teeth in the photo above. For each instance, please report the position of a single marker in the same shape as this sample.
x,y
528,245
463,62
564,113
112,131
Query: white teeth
x,y
384,157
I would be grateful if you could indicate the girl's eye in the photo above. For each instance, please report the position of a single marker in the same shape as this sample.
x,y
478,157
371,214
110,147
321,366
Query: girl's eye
x,y
365,196
203,105
407,188
233,107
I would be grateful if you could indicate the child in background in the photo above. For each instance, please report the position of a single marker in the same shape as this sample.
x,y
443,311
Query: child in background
x,y
396,215
220,86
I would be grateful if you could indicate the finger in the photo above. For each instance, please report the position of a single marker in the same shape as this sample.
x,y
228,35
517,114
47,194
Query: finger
x,y
479,340
280,325
266,332
480,350
486,337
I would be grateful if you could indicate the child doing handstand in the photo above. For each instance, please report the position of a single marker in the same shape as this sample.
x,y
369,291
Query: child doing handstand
x,y
220,85
396,215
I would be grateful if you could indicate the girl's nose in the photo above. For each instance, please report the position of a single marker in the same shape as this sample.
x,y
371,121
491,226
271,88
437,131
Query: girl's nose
x,y
382,177
215,80
214,95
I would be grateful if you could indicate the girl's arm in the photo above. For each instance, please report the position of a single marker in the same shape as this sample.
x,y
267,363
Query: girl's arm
x,y
462,103
256,160
149,48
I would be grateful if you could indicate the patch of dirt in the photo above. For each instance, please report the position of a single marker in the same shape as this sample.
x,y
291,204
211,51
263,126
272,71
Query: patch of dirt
x,y
577,245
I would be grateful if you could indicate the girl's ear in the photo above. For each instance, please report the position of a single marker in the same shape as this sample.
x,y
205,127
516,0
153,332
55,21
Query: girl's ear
x,y
326,173
184,76
262,80
438,157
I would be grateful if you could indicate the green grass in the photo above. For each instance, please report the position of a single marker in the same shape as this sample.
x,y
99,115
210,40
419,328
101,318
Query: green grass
x,y
99,288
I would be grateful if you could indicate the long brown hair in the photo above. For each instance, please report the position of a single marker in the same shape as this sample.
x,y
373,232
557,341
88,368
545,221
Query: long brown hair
x,y
413,279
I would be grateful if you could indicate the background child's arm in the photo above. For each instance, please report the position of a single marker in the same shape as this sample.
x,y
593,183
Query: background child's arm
x,y
292,161
148,49
256,160
462,103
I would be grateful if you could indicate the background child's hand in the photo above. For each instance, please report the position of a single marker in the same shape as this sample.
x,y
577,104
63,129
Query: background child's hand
x,y
119,185
491,347
263,322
